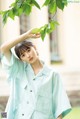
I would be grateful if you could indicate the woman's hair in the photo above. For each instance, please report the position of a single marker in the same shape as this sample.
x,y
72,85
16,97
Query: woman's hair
x,y
22,47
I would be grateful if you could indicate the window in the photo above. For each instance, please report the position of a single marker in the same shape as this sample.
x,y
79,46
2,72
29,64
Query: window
x,y
54,48
24,23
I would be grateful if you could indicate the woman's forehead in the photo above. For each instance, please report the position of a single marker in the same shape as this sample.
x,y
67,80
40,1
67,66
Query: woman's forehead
x,y
24,49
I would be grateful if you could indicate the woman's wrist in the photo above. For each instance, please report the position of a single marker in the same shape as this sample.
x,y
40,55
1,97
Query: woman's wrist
x,y
59,117
29,34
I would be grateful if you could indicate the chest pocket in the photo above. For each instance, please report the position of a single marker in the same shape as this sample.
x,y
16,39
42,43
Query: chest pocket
x,y
44,104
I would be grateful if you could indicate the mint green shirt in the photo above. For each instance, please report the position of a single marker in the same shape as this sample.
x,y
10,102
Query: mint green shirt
x,y
40,96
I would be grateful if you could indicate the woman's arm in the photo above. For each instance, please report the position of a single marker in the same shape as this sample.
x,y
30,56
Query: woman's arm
x,y
59,117
5,48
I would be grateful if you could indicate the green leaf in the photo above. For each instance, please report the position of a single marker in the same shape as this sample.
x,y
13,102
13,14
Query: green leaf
x,y
52,7
36,4
15,11
43,31
27,9
56,23
5,16
19,4
28,1
36,30
1,12
65,2
20,11
46,2
12,5
52,26
11,15
60,4
42,34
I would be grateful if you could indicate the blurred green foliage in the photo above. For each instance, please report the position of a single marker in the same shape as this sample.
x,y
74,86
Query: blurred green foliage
x,y
25,7
74,114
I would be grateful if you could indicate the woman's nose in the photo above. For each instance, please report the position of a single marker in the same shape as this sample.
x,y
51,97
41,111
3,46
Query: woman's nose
x,y
27,55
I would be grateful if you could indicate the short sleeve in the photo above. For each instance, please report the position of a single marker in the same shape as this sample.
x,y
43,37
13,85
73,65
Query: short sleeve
x,y
11,67
61,104
5,62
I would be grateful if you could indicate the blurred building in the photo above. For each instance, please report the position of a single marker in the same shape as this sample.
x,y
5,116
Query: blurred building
x,y
61,49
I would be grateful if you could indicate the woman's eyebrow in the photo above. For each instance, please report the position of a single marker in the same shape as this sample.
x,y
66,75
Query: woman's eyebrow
x,y
22,52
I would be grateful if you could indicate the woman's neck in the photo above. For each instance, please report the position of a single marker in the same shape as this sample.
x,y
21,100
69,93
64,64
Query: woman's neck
x,y
37,66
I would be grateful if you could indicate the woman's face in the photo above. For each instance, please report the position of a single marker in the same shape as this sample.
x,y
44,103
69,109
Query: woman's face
x,y
30,55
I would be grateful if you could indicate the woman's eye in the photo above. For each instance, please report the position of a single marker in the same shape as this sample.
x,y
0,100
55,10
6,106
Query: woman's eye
x,y
22,55
28,50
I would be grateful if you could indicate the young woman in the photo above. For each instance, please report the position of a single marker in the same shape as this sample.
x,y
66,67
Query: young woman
x,y
36,89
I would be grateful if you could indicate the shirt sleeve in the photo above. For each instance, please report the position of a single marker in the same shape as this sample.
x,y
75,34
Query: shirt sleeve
x,y
61,104
11,67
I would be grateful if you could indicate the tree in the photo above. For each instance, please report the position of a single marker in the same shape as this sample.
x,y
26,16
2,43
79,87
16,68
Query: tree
x,y
25,7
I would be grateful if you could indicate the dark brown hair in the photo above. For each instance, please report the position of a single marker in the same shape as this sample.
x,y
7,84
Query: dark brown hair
x,y
22,47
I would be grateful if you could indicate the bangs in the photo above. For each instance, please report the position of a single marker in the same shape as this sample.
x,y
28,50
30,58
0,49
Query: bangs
x,y
22,47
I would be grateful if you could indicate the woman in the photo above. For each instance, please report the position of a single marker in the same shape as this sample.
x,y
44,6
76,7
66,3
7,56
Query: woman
x,y
36,90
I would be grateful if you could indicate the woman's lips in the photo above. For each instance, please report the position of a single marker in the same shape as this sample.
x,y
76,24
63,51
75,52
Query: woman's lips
x,y
31,59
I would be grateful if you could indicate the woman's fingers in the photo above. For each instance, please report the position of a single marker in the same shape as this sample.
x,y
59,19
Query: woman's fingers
x,y
32,35
37,35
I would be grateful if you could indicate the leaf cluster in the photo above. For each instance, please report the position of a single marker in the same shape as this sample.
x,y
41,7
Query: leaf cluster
x,y
19,7
54,4
47,28
25,7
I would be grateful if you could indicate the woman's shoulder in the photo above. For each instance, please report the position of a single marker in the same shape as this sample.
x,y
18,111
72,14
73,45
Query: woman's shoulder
x,y
50,70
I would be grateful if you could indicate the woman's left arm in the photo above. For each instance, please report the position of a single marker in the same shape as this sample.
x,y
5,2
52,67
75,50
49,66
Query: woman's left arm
x,y
59,117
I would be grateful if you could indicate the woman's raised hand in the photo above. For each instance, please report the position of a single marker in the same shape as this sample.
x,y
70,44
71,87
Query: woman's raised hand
x,y
31,34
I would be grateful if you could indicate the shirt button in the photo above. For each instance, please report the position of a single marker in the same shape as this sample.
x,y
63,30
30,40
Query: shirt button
x,y
22,114
30,90
34,79
27,102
